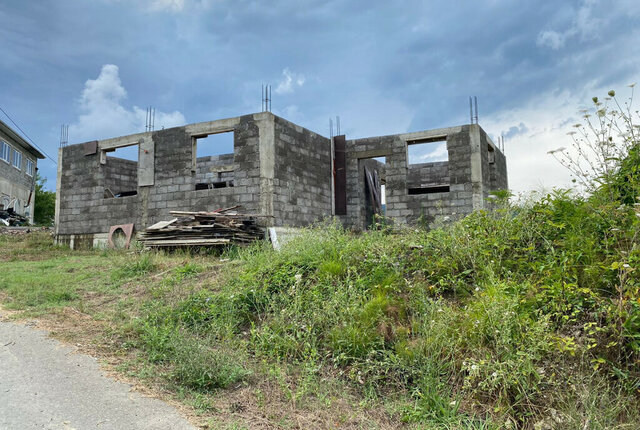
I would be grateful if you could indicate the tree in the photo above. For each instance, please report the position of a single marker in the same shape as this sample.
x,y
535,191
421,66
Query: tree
x,y
45,204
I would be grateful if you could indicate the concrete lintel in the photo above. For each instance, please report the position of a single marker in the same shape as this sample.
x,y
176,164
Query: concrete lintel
x,y
202,129
427,134
372,153
122,141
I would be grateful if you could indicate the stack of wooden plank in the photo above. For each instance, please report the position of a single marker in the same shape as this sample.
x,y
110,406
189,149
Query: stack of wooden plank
x,y
220,227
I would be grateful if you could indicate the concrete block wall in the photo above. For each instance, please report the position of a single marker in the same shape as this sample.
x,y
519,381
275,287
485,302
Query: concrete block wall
x,y
496,165
120,175
302,176
208,168
403,208
83,209
498,169
428,174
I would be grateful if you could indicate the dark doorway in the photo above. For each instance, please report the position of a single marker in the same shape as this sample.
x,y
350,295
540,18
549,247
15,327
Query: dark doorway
x,y
372,171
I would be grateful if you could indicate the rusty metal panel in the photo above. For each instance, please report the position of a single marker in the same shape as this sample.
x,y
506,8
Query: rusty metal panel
x,y
340,174
90,148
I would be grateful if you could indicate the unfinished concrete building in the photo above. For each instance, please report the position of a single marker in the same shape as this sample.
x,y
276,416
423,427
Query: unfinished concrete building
x,y
288,175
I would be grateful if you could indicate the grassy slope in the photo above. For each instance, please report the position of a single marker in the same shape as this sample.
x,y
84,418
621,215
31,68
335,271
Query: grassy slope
x,y
102,301
526,316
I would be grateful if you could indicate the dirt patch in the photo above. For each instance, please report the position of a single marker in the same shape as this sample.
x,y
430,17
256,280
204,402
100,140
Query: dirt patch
x,y
264,405
6,314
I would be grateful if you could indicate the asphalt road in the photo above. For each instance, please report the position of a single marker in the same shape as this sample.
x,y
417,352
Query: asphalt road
x,y
45,385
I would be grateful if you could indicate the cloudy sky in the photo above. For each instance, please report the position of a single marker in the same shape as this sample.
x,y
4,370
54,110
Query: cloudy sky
x,y
383,67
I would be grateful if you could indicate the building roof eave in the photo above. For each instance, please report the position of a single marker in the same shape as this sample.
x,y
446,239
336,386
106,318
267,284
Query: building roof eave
x,y
19,140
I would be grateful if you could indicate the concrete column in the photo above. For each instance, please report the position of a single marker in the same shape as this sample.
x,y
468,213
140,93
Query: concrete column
x,y
475,154
266,150
58,193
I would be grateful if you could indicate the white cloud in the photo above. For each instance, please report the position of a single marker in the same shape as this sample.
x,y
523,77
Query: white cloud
x,y
289,82
583,25
547,118
543,124
103,114
428,152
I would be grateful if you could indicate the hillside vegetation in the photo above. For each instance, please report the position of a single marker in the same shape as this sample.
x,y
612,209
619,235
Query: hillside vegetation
x,y
501,317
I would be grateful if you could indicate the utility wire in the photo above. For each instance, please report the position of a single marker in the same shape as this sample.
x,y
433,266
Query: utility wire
x,y
27,136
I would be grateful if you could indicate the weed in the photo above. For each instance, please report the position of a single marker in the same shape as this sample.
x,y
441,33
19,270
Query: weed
x,y
139,265
200,367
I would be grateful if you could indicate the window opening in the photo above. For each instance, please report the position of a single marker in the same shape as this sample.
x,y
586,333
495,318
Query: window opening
x,y
29,167
429,189
431,150
428,166
214,161
125,153
121,172
491,154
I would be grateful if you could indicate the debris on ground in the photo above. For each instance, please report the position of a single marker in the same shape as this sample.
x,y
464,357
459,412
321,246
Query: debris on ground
x,y
9,217
19,231
220,227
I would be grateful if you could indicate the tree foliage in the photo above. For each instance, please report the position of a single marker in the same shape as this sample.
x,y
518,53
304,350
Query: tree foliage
x,y
45,203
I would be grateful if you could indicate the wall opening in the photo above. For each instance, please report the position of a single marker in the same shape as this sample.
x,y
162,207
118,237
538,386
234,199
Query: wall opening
x,y
372,173
433,189
428,166
383,184
214,160
126,153
432,150
121,172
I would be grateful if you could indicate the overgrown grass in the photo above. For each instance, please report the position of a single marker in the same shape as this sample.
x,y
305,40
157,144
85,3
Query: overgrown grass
x,y
493,321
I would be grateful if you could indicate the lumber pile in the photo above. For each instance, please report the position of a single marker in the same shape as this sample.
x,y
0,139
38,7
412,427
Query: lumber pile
x,y
220,227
